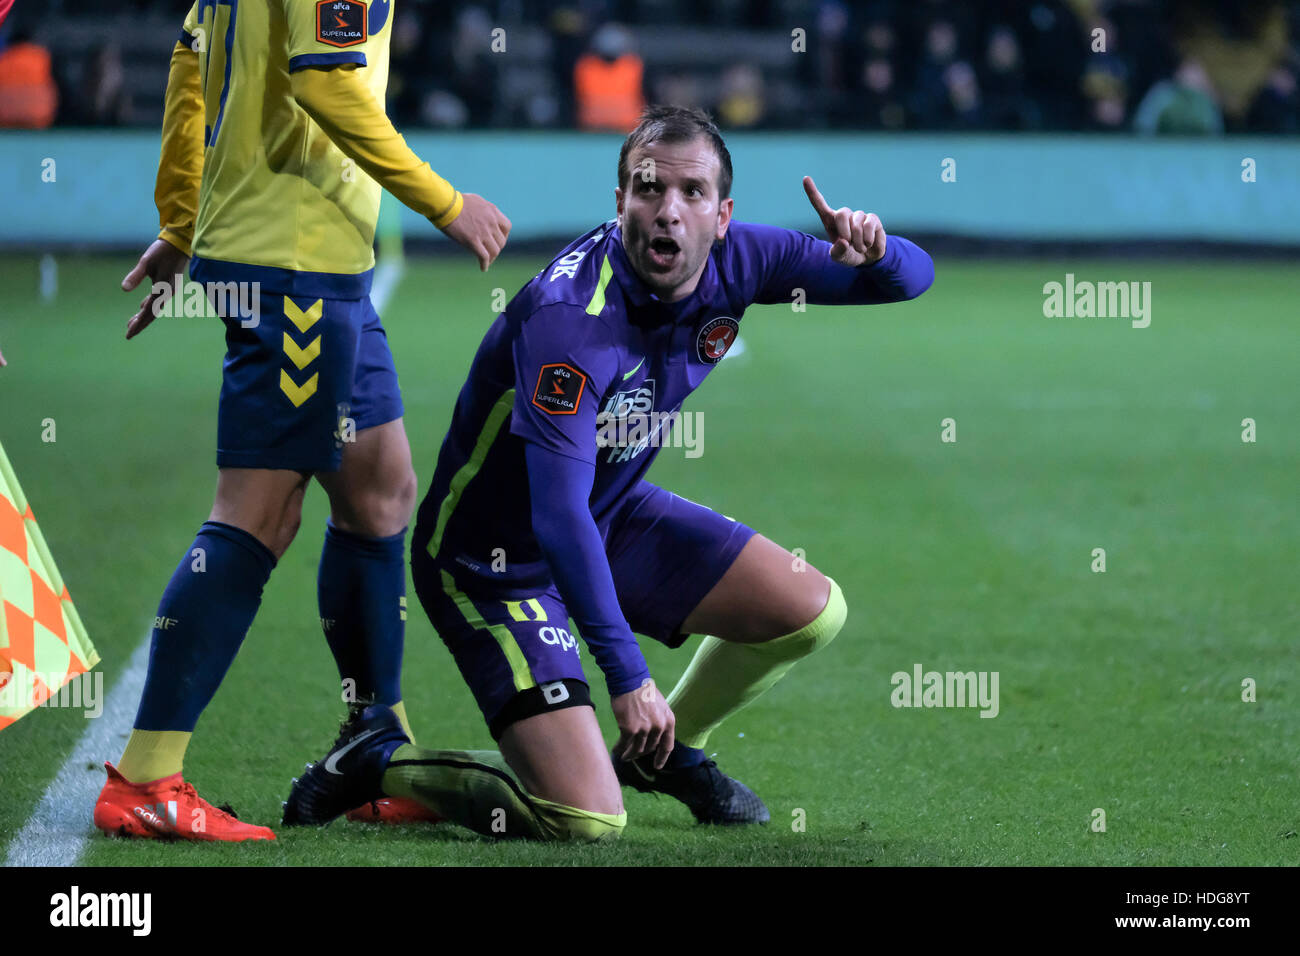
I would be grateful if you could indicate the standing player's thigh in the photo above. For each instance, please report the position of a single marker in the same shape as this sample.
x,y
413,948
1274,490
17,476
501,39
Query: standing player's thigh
x,y
376,398
523,667
288,375
683,569
374,490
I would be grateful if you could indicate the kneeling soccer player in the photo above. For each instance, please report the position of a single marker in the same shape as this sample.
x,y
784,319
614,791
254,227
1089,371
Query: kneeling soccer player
x,y
531,519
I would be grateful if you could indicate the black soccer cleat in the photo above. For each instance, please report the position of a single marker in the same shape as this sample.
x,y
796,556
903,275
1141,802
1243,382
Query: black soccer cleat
x,y
351,773
711,795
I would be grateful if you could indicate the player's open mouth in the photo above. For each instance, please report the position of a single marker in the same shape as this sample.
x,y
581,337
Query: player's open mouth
x,y
663,251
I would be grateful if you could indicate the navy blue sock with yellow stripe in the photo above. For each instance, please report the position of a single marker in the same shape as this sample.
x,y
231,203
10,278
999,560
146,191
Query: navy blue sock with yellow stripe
x,y
202,619
361,588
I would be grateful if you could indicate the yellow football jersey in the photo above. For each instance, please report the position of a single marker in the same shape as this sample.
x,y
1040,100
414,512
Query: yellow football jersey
x,y
276,192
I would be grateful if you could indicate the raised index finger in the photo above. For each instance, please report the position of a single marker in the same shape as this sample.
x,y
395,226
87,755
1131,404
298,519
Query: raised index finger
x,y
815,197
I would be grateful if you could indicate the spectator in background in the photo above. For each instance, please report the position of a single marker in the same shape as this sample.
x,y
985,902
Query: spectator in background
x,y
474,65
1055,46
412,68
830,70
1277,108
878,101
607,82
101,98
568,27
1237,44
1105,90
965,101
947,94
1002,77
741,102
28,95
1184,105
882,107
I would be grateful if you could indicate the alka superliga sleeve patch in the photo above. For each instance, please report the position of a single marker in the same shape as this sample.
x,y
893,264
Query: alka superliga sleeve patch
x,y
341,22
559,389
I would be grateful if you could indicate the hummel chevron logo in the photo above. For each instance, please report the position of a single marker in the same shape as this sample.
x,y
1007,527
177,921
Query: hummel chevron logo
x,y
298,394
335,757
303,319
301,357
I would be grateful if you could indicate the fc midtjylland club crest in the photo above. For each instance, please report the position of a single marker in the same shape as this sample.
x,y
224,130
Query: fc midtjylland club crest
x,y
715,338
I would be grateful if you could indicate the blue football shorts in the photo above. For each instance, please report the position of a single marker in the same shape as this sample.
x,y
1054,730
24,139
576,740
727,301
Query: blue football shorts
x,y
299,378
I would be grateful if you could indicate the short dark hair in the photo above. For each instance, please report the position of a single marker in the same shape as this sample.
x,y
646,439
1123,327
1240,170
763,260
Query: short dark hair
x,y
676,124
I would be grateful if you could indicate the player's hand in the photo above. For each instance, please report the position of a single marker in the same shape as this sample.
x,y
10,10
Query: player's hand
x,y
161,262
857,237
646,724
481,228
3,363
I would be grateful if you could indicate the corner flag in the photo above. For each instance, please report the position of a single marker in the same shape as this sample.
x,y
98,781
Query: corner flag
x,y
43,643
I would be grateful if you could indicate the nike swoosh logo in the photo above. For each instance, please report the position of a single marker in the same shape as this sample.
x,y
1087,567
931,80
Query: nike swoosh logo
x,y
648,778
338,754
633,372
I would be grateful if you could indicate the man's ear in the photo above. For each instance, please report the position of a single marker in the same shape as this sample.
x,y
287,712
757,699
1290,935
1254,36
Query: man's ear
x,y
724,217
618,203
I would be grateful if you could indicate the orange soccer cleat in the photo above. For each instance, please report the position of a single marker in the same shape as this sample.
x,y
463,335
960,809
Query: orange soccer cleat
x,y
393,810
167,809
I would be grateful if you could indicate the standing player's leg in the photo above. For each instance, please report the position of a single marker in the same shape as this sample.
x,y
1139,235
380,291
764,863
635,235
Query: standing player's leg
x,y
203,617
290,364
361,583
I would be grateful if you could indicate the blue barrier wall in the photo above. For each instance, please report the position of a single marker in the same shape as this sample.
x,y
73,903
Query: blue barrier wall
x,y
559,184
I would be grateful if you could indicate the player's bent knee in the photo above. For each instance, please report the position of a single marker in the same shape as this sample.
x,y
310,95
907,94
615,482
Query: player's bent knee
x,y
563,823
406,494
820,631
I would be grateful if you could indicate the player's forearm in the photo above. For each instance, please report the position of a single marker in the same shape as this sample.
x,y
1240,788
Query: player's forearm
x,y
569,539
904,272
180,162
343,106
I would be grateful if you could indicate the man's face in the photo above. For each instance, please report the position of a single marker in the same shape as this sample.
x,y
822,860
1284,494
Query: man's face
x,y
670,214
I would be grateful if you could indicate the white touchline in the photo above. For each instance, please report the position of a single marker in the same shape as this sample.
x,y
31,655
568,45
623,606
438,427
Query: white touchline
x,y
56,832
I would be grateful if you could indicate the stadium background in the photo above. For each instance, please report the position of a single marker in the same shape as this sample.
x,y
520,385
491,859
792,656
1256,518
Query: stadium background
x,y
998,135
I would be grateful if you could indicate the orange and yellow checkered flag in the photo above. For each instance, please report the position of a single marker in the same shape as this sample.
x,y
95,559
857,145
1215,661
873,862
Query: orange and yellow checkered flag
x,y
43,643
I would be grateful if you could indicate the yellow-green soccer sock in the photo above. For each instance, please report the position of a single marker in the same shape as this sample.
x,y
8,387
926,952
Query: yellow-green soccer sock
x,y
153,754
478,790
724,676
399,709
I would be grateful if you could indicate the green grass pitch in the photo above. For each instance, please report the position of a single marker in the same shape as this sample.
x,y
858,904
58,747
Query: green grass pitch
x,y
1119,690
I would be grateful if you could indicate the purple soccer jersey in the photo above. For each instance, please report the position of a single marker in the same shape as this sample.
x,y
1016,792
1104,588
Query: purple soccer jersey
x,y
583,347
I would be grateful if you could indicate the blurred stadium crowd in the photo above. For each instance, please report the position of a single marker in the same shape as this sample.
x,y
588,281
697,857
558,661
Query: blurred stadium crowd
x,y
1158,66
